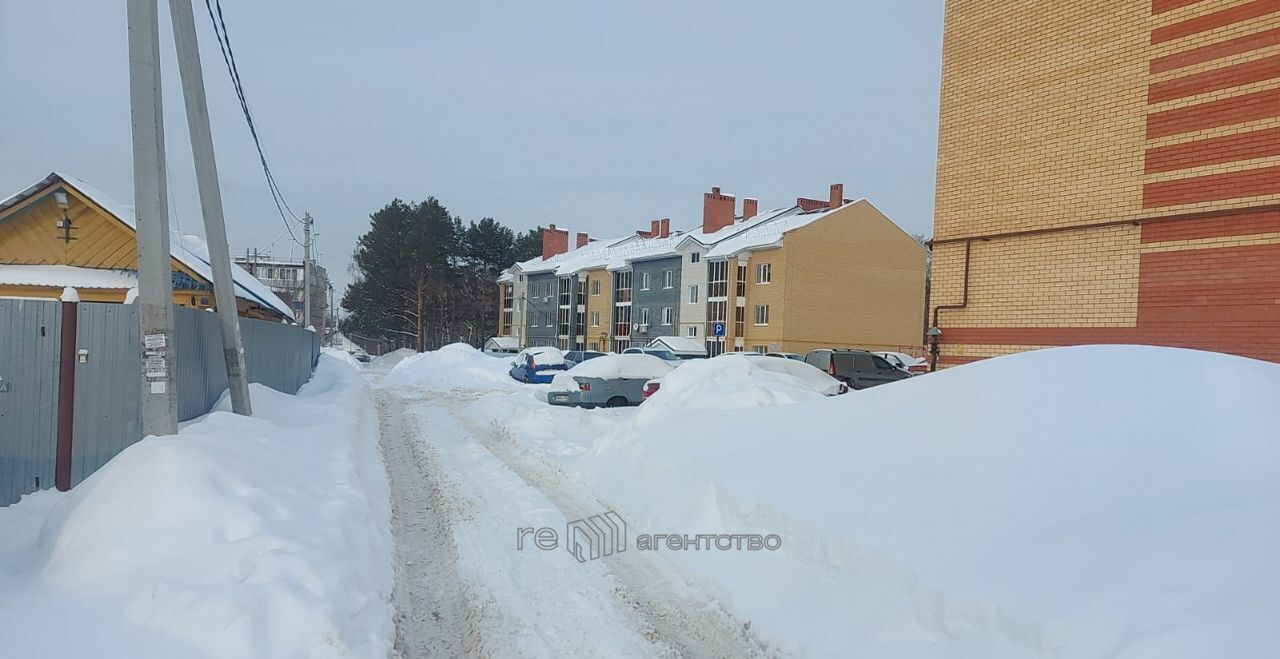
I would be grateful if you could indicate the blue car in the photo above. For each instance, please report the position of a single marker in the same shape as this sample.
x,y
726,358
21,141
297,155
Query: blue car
x,y
537,365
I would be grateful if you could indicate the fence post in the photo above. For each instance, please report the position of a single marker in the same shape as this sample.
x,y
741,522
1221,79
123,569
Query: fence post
x,y
66,389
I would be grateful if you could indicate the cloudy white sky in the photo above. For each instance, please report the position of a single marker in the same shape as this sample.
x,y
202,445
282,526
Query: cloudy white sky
x,y
595,115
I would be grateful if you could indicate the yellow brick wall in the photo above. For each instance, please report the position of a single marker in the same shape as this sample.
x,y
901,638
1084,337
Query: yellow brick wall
x,y
602,303
851,279
1043,114
1082,278
773,294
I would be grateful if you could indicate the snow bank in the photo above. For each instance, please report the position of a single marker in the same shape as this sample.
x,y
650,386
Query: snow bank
x,y
240,537
343,356
636,367
1100,501
727,382
457,365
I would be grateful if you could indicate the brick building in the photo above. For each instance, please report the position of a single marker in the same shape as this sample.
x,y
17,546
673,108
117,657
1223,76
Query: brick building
x,y
1108,172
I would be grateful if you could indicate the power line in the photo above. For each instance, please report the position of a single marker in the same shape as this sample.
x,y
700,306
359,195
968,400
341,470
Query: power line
x,y
229,58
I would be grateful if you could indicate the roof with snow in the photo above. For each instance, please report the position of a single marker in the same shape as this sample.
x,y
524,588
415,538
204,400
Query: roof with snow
x,y
680,345
190,251
62,276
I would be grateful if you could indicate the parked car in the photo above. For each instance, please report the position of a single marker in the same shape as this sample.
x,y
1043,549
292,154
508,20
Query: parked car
x,y
786,355
857,368
912,365
575,357
818,380
608,381
537,365
664,355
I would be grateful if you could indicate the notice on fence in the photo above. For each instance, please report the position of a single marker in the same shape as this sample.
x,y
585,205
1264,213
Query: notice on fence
x,y
157,366
154,341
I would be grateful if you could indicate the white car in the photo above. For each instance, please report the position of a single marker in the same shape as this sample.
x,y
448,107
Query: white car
x,y
810,375
905,362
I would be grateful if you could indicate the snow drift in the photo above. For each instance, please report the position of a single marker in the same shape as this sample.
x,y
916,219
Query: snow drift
x,y
1100,501
726,382
240,537
456,365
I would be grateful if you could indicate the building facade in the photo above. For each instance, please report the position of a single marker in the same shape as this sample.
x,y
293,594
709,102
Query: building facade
x,y
819,273
1108,172
285,278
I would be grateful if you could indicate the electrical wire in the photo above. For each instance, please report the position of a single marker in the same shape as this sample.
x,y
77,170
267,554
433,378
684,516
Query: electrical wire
x,y
228,58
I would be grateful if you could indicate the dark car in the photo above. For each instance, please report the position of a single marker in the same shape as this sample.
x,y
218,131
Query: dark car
x,y
857,368
575,357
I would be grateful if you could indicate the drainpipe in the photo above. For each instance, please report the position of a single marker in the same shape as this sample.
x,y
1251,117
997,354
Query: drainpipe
x,y
66,389
964,302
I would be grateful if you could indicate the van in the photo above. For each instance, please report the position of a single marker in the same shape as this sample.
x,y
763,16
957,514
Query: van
x,y
857,368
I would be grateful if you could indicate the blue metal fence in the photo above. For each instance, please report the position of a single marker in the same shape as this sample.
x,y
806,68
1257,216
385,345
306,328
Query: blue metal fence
x,y
107,380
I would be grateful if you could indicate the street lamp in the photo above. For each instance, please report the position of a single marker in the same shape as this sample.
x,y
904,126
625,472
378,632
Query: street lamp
x,y
933,333
60,197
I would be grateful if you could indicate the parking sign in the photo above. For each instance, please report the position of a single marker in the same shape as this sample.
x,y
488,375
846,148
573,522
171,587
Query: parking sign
x,y
717,329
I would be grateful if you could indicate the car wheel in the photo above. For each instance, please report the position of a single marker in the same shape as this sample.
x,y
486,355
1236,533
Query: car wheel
x,y
848,382
616,401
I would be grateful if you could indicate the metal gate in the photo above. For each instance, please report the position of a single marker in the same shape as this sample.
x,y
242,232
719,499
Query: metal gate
x,y
30,331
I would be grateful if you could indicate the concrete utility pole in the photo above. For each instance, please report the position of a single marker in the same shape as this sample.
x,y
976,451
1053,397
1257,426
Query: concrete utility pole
x,y
159,405
306,269
215,229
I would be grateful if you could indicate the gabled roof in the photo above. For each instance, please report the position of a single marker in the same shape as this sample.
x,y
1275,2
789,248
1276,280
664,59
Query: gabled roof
x,y
190,251
769,234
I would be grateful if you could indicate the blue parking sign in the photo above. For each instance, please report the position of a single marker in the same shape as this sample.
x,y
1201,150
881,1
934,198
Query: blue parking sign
x,y
717,329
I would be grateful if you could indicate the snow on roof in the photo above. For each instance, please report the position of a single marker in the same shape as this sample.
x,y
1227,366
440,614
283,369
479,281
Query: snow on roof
x,y
768,234
187,250
504,342
505,278
680,345
61,276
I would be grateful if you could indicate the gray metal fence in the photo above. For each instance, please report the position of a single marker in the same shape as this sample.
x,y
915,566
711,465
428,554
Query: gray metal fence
x,y
107,380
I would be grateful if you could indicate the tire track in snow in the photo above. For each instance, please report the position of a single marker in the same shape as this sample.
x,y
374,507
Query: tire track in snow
x,y
679,621
437,615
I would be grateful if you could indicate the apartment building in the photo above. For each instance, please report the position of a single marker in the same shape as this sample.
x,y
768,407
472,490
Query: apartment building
x,y
819,273
285,278
1108,172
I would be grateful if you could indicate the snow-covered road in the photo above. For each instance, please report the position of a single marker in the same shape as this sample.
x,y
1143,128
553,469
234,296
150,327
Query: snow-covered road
x,y
460,493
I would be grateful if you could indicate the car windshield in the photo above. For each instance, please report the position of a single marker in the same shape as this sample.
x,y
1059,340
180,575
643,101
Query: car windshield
x,y
661,354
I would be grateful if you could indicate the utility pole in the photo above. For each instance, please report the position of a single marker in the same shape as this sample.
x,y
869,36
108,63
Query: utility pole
x,y
215,229
306,269
158,406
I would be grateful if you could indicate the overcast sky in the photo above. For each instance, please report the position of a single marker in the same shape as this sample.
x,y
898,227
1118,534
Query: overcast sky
x,y
598,116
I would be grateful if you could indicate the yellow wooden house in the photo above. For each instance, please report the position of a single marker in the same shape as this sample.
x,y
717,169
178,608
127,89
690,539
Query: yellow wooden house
x,y
61,232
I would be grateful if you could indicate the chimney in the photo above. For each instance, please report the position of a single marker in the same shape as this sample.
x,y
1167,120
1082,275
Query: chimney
x,y
717,210
749,208
554,241
655,229
583,239
664,227
837,195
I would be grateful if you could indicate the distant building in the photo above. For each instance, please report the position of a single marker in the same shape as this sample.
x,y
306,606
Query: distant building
x,y
284,277
61,232
821,273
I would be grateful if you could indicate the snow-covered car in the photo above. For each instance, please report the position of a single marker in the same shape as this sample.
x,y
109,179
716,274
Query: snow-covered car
x,y
608,381
786,355
912,365
360,355
811,376
575,357
537,365
664,355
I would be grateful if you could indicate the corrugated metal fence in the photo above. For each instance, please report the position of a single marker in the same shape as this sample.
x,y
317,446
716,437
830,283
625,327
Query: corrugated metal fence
x,y
107,379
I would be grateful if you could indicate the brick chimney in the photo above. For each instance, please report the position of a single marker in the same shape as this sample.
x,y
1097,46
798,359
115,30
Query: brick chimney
x,y
664,227
554,241
717,210
749,208
837,195
583,239
807,205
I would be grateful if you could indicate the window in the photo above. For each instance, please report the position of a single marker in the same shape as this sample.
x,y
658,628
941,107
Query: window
x,y
644,281
595,320
668,278
668,314
695,257
764,273
742,281
269,273
693,295
718,278
739,321
692,331
762,314
644,316
762,349
521,277
595,287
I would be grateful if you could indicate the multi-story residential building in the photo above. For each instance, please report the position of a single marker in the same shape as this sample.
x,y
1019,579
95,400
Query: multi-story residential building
x,y
285,278
1108,172
819,273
